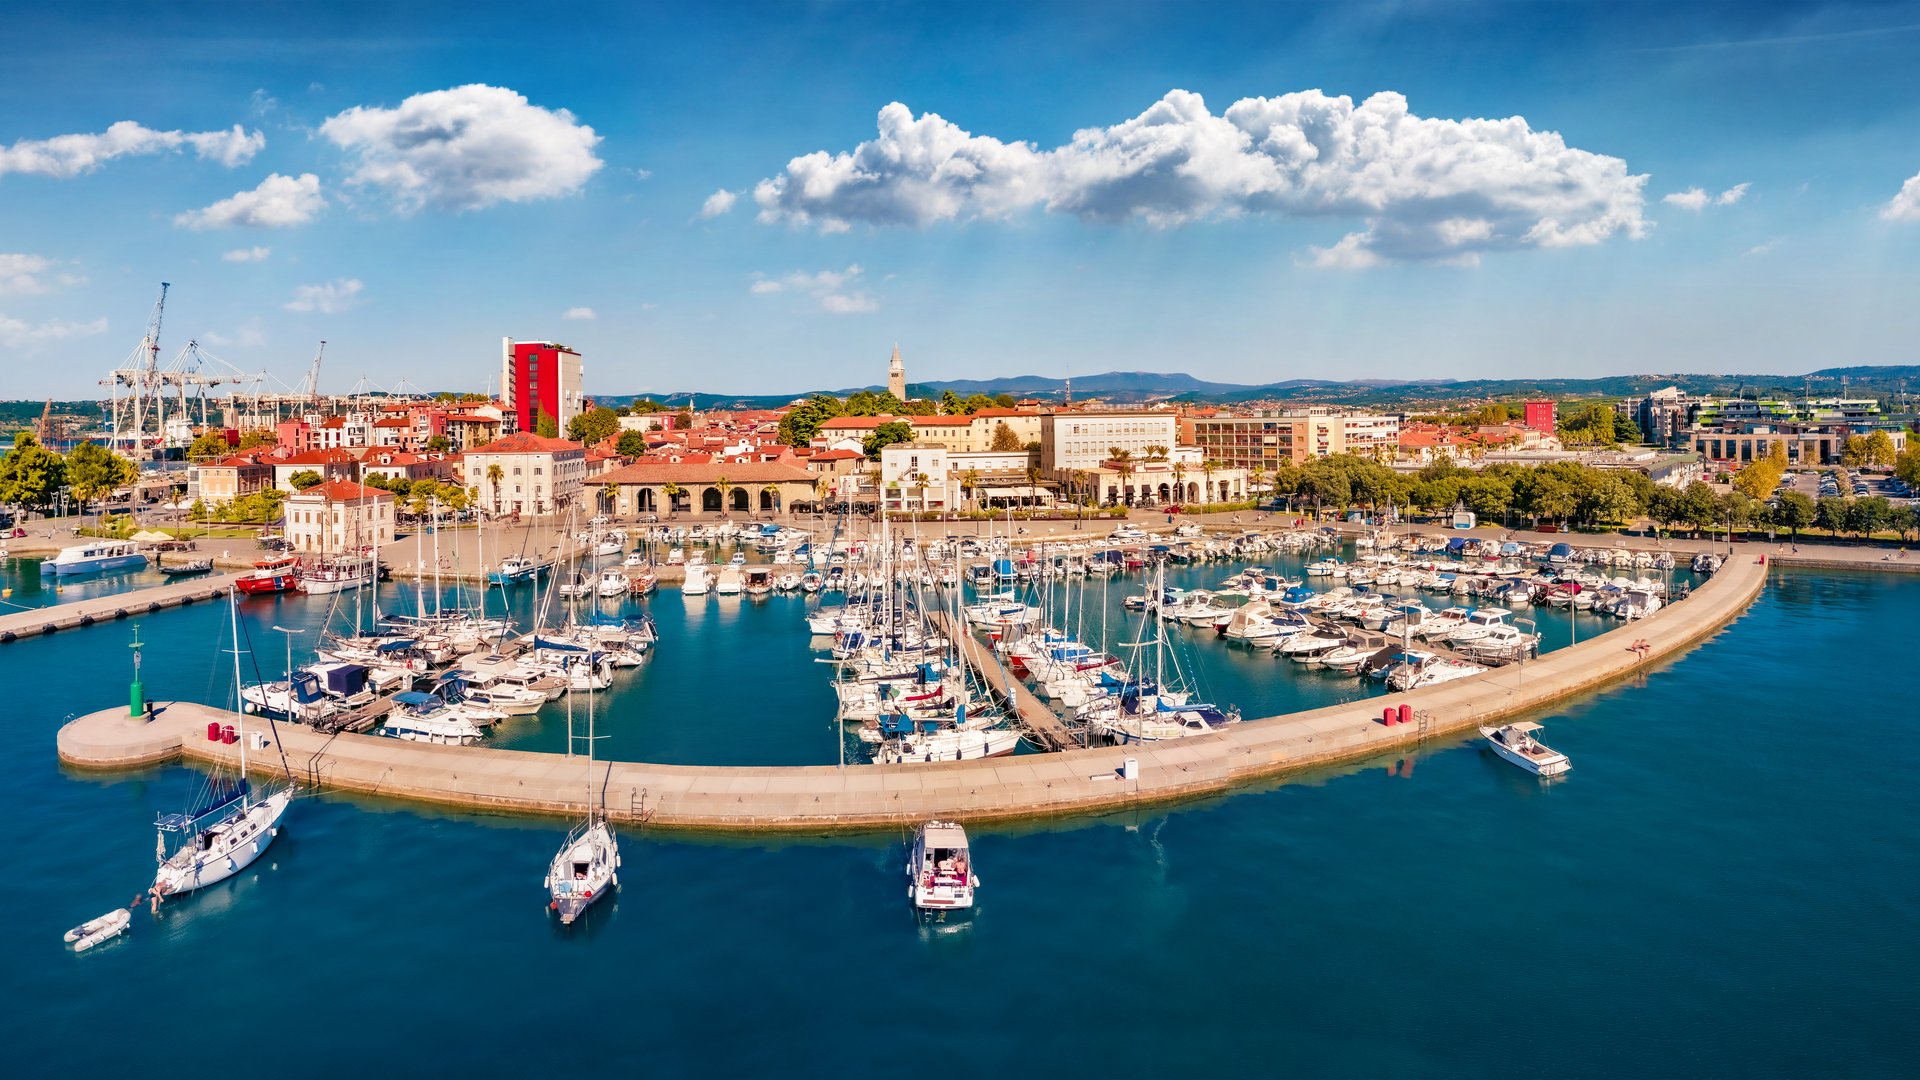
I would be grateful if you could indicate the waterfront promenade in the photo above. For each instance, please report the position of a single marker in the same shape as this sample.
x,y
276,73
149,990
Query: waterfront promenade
x,y
824,798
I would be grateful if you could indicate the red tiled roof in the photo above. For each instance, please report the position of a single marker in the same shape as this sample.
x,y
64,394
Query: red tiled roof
x,y
342,491
738,472
835,455
845,422
524,442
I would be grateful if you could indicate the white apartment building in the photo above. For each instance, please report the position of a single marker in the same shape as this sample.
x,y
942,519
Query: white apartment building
x,y
901,467
535,475
1082,440
339,517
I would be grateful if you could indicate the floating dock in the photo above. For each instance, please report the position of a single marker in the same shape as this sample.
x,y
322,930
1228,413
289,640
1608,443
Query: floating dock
x,y
823,798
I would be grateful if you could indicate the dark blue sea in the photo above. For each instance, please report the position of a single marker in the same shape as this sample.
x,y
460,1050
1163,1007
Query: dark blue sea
x,y
1727,885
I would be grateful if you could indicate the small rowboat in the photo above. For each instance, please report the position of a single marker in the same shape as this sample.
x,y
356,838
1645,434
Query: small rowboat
x,y
94,931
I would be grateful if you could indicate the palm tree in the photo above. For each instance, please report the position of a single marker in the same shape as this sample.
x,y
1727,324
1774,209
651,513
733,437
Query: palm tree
x,y
1258,476
920,484
494,473
969,481
672,491
1033,480
609,495
772,492
1179,478
1123,464
1156,453
723,486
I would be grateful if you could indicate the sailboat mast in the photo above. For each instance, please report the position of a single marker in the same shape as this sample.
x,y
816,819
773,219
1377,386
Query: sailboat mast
x,y
239,708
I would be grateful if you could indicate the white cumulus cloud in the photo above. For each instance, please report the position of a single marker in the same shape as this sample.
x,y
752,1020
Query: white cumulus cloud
x,y
17,334
1732,195
1906,205
247,255
22,273
1422,188
582,313
831,289
465,148
327,298
279,201
718,203
66,156
247,336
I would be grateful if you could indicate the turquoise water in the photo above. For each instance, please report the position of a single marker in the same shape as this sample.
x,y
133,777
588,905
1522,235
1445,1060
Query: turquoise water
x,y
1725,886
22,585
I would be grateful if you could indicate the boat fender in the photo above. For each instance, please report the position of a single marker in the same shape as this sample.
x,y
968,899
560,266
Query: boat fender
x,y
119,613
153,605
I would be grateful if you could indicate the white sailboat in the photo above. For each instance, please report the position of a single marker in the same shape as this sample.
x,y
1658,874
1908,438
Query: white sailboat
x,y
587,866
232,825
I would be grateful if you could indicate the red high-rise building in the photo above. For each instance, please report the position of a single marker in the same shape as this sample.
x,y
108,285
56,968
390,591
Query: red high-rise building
x,y
1539,417
537,377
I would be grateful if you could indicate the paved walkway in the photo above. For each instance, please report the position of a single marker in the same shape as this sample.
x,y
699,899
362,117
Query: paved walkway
x,y
816,798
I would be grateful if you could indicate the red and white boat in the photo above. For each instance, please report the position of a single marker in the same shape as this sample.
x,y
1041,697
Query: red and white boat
x,y
275,575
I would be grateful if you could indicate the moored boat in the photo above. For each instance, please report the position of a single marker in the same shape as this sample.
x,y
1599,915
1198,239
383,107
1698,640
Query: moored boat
x,y
276,574
94,557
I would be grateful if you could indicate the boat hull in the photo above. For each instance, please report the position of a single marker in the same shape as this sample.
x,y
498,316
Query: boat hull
x,y
93,566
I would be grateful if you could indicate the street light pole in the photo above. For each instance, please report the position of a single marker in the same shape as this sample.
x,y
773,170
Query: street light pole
x,y
288,632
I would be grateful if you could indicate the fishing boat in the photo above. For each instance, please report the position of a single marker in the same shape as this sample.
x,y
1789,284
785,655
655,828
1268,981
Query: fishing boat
x,y
613,582
187,569
274,574
1515,742
940,873
97,931
643,583
94,557
759,581
232,823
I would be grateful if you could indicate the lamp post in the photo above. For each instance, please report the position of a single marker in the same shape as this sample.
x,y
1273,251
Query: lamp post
x,y
289,632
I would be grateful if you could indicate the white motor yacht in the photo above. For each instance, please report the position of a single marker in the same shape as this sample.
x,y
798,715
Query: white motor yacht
x,y
1516,743
697,582
940,873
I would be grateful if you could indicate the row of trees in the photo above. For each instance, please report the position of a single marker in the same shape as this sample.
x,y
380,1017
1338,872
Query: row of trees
x,y
32,477
803,421
1566,493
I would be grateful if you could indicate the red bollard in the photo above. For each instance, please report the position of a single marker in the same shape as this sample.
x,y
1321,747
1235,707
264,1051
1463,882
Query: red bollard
x,y
213,731
1386,716
1406,714
229,736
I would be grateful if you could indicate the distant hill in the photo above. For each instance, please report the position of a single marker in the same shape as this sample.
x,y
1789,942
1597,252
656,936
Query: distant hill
x,y
1134,387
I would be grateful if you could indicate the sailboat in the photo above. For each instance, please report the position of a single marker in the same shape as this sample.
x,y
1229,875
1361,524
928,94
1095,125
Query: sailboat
x,y
587,866
231,826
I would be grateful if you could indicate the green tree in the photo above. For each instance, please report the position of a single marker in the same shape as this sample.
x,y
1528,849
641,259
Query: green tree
x,y
803,421
673,492
94,472
593,426
1906,466
976,402
1003,438
1489,496
1853,452
609,497
683,420
1870,515
31,475
724,486
969,480
1830,513
631,444
887,434
950,403
258,437
1004,401
1794,511
211,446
304,479
1700,505
494,473
545,426
439,444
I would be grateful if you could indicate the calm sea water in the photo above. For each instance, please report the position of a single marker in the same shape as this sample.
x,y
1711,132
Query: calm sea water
x,y
1725,886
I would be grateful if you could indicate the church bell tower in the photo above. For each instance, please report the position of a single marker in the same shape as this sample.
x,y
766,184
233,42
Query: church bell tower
x,y
897,375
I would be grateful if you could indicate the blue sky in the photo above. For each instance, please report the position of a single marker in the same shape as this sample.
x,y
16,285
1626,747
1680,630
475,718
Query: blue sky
x,y
411,182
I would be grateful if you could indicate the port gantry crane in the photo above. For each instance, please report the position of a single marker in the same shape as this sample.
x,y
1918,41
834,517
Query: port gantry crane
x,y
138,414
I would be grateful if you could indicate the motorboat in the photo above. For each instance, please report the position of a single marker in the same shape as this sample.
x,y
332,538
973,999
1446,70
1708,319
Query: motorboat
x,y
424,718
940,873
1515,742
1500,643
513,570
730,581
187,569
1477,624
613,582
1429,672
697,582
94,557
276,574
759,581
332,575
576,585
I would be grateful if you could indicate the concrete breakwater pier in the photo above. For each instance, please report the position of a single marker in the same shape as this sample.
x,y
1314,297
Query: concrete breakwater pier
x,y
822,798
33,622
